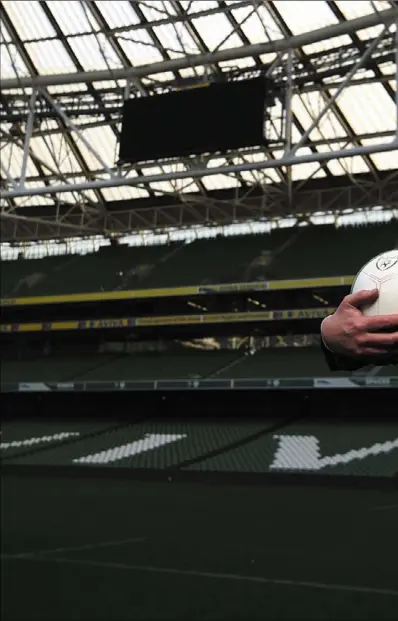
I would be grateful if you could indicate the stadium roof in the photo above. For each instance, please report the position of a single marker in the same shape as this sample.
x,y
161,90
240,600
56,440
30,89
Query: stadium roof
x,y
66,67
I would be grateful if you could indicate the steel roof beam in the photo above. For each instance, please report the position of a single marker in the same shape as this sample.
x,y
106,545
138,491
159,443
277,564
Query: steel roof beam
x,y
195,60
194,173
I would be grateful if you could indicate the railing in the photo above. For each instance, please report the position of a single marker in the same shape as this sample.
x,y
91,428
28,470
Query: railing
x,y
285,383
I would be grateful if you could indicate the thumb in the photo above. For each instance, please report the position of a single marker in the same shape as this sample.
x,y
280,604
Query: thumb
x,y
362,297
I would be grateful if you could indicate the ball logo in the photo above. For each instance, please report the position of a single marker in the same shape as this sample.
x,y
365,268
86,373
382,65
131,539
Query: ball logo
x,y
385,263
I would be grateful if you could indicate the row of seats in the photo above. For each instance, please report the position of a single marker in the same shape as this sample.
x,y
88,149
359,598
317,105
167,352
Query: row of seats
x,y
51,369
109,269
106,367
306,252
286,362
289,362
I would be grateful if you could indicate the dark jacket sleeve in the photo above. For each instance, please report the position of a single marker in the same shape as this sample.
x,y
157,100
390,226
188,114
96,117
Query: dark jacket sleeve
x,y
336,362
341,363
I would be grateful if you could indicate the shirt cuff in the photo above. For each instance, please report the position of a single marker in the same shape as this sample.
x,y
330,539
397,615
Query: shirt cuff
x,y
323,340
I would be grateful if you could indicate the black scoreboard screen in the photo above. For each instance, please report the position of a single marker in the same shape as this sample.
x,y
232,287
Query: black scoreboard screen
x,y
213,118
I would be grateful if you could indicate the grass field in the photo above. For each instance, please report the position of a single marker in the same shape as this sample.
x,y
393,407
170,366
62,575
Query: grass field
x,y
85,549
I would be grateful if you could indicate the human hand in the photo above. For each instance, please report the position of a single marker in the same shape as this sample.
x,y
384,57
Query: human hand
x,y
350,333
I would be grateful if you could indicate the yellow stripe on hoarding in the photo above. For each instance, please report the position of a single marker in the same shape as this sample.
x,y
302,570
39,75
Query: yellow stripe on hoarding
x,y
140,294
100,296
166,320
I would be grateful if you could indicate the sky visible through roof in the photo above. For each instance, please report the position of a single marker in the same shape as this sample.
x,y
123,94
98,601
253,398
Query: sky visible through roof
x,y
57,37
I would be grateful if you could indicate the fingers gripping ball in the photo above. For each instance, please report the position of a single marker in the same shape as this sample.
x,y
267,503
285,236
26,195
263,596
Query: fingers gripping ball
x,y
380,273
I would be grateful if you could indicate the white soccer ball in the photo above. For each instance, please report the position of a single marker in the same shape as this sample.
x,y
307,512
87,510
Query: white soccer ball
x,y
380,273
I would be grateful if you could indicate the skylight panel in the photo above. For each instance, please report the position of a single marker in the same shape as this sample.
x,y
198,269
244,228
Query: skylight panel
x,y
34,201
306,107
259,177
198,5
175,38
238,63
267,59
162,187
167,76
352,10
103,141
354,165
54,151
306,15
168,168
66,88
105,84
258,156
319,174
77,197
11,62
118,13
327,44
217,32
152,170
260,26
29,19
215,162
386,161
248,176
155,11
220,182
189,72
11,160
185,186
307,171
368,108
343,166
299,171
176,186
370,33
383,161
50,57
70,15
94,53
123,193
387,69
296,135
140,48
4,34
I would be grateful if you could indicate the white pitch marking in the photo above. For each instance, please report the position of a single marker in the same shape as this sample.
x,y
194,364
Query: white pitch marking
x,y
56,437
90,546
149,442
218,576
298,452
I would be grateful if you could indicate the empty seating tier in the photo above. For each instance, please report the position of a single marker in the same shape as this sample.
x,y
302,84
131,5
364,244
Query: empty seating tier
x,y
306,252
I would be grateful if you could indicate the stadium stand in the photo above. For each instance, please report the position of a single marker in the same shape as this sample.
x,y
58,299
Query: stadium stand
x,y
322,250
281,362
173,444
52,369
20,277
110,268
165,365
185,364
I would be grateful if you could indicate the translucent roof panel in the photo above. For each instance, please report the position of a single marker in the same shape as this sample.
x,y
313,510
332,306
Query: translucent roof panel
x,y
342,94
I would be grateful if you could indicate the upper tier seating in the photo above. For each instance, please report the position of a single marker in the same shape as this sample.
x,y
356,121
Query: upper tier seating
x,y
306,252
